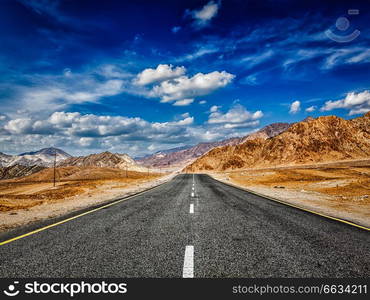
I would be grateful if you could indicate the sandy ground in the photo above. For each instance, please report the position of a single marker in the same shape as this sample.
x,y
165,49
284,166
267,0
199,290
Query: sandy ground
x,y
337,189
31,202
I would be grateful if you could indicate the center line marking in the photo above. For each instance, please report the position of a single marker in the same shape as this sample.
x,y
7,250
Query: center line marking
x,y
188,269
191,208
192,194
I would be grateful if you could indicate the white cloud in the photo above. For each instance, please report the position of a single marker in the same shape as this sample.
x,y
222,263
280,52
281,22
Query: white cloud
x,y
199,52
356,103
295,107
112,71
242,125
161,73
198,85
186,121
203,16
90,125
236,117
311,109
256,59
183,102
353,55
85,141
214,108
52,95
82,134
19,125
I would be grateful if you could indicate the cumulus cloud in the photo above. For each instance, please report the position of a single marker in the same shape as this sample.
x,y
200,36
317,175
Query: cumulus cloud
x,y
186,121
185,87
295,107
203,16
356,103
87,133
90,126
19,125
236,117
161,73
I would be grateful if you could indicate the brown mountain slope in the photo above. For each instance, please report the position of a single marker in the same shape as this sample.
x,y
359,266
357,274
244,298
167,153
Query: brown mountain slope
x,y
314,140
15,171
104,160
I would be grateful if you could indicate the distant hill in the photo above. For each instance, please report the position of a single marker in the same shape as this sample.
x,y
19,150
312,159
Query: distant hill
x,y
323,139
43,157
48,152
182,156
15,171
104,159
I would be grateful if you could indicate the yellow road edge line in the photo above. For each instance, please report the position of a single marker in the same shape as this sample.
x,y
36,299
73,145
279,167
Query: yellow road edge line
x,y
296,206
75,217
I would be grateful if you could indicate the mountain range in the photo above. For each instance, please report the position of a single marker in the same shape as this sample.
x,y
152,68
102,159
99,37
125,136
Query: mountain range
x,y
312,140
104,159
13,166
327,138
184,155
44,157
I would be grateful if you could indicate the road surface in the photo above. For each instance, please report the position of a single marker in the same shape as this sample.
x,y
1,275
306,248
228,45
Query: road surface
x,y
175,230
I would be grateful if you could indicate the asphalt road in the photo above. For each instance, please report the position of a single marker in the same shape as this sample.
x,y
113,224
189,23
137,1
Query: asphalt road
x,y
232,233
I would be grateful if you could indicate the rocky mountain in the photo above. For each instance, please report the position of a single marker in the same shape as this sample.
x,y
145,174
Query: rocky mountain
x,y
323,139
267,132
104,159
182,157
43,157
15,171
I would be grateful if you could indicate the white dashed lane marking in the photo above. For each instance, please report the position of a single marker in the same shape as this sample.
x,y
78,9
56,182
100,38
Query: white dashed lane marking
x,y
191,208
188,269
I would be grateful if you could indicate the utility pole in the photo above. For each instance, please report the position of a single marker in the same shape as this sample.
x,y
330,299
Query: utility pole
x,y
55,162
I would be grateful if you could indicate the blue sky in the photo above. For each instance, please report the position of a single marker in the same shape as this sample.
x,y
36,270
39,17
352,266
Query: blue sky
x,y
138,77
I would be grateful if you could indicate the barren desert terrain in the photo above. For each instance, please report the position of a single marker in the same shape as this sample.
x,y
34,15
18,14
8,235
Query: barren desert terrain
x,y
340,189
34,198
